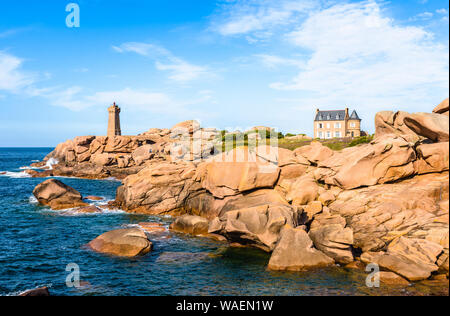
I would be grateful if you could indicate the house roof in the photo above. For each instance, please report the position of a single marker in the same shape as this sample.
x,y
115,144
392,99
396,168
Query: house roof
x,y
338,115
354,116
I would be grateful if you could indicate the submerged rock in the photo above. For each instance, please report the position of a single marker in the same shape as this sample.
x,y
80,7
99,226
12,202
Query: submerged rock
x,y
130,242
42,291
58,195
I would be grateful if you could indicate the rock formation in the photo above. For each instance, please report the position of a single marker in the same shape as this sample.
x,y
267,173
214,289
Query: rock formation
x,y
123,243
57,195
384,202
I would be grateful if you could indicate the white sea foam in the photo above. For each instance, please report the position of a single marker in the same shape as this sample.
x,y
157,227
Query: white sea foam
x,y
51,162
32,199
15,175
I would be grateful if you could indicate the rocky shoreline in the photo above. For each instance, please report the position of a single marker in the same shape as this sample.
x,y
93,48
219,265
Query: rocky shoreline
x,y
384,203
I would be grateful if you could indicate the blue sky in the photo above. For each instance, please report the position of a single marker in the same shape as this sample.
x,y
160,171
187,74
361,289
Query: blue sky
x,y
231,64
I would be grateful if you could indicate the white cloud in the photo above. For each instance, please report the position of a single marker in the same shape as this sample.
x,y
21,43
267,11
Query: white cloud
x,y
273,62
12,77
358,53
179,69
144,49
76,99
259,17
422,17
442,11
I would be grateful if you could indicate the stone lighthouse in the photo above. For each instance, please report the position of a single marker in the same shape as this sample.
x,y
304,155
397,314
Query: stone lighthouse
x,y
114,121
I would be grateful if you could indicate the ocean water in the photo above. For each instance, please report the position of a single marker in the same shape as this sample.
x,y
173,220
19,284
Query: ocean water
x,y
37,244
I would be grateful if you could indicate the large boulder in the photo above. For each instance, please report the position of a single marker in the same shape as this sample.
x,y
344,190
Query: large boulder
x,y
414,259
417,207
185,128
42,291
392,123
430,125
333,239
386,159
160,188
442,108
231,178
303,191
295,252
130,242
57,195
121,144
432,158
258,226
142,154
189,224
315,152
412,126
103,159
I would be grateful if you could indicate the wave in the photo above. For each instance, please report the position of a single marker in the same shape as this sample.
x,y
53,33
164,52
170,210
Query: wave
x,y
75,211
17,293
51,162
32,199
15,175
28,168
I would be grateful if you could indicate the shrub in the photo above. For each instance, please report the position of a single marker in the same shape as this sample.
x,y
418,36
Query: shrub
x,y
361,140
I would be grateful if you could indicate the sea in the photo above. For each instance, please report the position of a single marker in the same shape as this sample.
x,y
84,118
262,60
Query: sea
x,y
40,247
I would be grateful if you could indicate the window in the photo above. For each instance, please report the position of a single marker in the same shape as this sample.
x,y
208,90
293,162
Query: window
x,y
352,125
328,125
320,125
337,125
320,135
328,134
337,134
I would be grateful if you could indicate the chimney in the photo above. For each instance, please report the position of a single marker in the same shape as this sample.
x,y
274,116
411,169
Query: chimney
x,y
346,112
317,111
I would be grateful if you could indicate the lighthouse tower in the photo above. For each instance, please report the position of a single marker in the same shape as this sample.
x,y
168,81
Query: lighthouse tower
x,y
114,121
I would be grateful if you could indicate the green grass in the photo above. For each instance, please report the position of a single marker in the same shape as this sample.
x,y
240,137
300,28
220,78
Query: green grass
x,y
361,140
230,142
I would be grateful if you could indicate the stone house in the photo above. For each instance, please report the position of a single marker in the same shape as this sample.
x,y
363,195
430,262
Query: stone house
x,y
336,124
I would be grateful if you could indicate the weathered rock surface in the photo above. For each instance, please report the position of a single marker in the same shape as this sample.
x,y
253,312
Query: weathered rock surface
x,y
257,226
414,259
430,125
390,278
379,214
158,189
295,252
42,291
315,152
189,224
123,243
230,178
303,191
332,237
442,108
57,195
386,159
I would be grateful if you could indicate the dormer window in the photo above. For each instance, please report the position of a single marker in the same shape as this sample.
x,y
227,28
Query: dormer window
x,y
337,117
328,117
